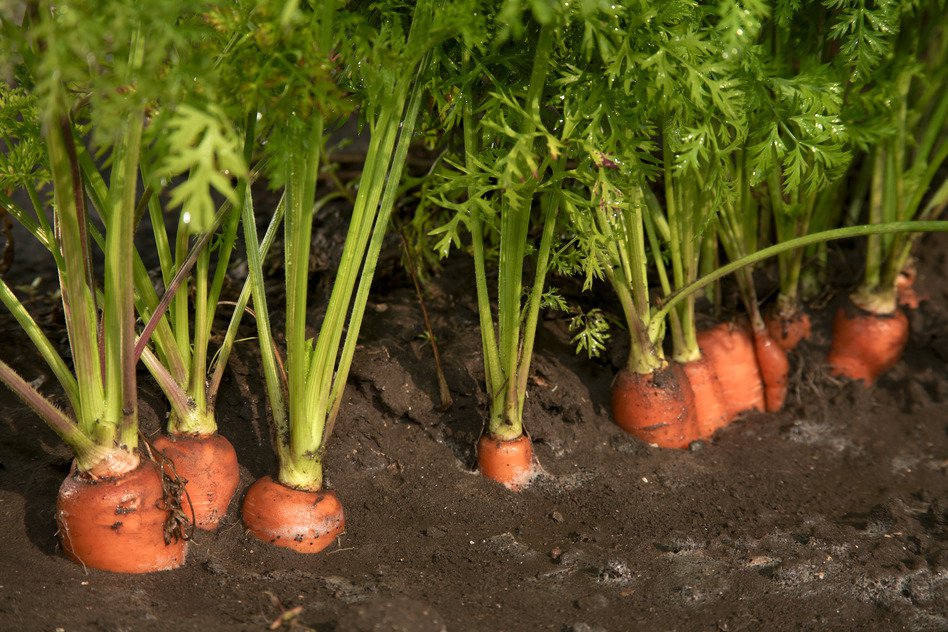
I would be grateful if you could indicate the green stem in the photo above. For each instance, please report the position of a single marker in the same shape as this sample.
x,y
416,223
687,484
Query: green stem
x,y
872,274
22,218
678,337
146,297
800,242
179,309
172,296
515,221
274,386
78,298
231,335
87,452
55,362
492,369
536,296
300,194
182,406
121,395
374,249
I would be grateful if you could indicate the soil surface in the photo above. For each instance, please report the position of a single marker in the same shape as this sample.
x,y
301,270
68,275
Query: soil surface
x,y
831,515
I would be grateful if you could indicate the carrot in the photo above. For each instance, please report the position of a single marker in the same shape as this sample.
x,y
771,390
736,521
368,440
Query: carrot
x,y
657,407
208,464
774,369
866,345
296,519
788,330
509,462
117,523
729,348
710,409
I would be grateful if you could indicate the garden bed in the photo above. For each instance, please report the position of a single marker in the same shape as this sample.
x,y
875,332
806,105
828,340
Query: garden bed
x,y
829,515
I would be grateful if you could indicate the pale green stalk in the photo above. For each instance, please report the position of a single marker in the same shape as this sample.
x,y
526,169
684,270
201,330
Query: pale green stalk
x,y
245,293
146,297
301,469
78,304
515,222
625,236
86,451
389,199
800,242
46,349
492,370
121,395
271,374
535,298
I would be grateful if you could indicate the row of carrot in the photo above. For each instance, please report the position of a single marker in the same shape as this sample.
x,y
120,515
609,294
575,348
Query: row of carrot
x,y
631,143
740,370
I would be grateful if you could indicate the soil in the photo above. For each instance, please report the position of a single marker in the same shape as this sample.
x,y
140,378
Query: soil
x,y
831,515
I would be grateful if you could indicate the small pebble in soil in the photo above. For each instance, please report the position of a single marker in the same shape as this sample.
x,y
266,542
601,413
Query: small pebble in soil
x,y
614,571
694,446
556,516
556,554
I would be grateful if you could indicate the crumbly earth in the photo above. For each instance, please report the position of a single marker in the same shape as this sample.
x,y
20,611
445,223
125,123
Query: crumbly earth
x,y
831,515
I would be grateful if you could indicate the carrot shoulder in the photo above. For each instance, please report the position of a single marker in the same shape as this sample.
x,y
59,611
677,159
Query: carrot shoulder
x,y
117,524
788,330
509,462
657,407
209,465
301,520
729,349
774,369
866,345
711,412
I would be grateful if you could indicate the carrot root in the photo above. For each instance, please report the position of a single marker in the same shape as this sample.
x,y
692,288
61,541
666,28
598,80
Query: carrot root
x,y
788,330
866,345
729,349
117,524
509,462
774,369
209,465
304,521
710,408
656,407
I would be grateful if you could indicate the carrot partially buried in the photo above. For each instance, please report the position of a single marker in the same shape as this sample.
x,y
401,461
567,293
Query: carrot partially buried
x,y
788,329
866,345
507,461
729,348
302,520
657,407
710,408
209,465
774,369
117,523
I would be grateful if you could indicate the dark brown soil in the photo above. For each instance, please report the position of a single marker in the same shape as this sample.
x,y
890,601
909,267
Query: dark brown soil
x,y
831,515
